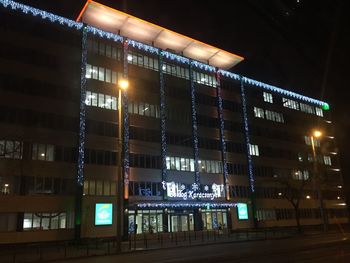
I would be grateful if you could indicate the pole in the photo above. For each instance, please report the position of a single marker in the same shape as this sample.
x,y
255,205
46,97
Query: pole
x,y
316,179
119,175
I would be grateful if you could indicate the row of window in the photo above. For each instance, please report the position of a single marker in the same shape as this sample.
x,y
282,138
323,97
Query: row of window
x,y
144,109
295,105
144,161
103,49
143,60
176,70
49,152
236,169
323,159
169,68
38,87
36,185
278,193
48,221
99,187
308,141
297,174
187,164
101,100
145,189
304,213
101,74
11,149
269,115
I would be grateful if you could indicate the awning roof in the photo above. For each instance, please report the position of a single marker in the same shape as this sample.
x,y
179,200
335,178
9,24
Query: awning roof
x,y
115,21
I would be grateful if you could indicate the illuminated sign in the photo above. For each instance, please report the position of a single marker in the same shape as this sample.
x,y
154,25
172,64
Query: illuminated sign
x,y
103,214
179,191
242,211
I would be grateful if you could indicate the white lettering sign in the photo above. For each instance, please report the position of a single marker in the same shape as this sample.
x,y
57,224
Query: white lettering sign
x,y
179,191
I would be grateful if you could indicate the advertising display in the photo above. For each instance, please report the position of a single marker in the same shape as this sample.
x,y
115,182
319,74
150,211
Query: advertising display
x,y
242,211
103,214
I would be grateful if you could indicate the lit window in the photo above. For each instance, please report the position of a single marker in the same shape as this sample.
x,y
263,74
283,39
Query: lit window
x,y
292,104
253,149
319,112
327,160
274,116
307,108
258,112
268,97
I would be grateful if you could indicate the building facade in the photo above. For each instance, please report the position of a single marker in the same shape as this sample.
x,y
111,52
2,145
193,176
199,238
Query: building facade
x,y
197,148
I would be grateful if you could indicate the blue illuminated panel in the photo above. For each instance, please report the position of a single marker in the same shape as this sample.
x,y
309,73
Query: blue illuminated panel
x,y
242,211
103,214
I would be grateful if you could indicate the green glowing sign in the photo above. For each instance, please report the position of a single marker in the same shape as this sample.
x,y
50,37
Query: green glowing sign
x,y
103,214
242,211
325,106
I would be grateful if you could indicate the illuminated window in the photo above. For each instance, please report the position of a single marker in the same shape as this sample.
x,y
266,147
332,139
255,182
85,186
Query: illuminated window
x,y
11,149
259,113
47,221
274,116
101,100
43,152
300,175
307,108
319,112
187,164
101,74
292,104
253,149
145,109
327,160
268,97
317,142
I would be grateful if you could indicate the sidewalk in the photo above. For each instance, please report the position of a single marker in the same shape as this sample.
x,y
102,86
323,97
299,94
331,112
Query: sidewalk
x,y
97,247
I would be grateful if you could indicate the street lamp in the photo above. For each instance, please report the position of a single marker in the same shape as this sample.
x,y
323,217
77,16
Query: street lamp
x,y
316,178
123,85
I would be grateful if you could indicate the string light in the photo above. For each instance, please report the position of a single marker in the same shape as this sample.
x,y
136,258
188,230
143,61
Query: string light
x,y
163,205
222,135
194,125
125,121
41,13
247,138
144,47
175,57
82,112
162,119
104,34
203,66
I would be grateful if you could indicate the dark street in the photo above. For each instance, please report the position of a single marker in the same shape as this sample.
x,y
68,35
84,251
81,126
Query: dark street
x,y
317,248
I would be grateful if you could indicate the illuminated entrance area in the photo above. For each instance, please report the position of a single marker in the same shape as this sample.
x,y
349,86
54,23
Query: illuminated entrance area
x,y
179,222
176,220
145,221
214,219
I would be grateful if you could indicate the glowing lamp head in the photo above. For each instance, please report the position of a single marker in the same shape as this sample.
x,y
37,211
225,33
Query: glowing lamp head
x,y
123,84
317,134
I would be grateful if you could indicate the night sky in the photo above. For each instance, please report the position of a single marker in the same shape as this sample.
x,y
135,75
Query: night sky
x,y
299,45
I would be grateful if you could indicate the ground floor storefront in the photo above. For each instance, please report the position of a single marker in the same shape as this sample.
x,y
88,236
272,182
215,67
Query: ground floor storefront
x,y
176,220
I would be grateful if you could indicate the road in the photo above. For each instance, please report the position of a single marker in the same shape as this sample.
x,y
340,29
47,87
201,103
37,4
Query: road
x,y
317,248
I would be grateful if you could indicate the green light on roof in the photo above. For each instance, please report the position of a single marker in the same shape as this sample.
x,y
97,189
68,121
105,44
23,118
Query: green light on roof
x,y
325,106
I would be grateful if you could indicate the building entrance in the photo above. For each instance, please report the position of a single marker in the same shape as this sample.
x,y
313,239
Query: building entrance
x,y
181,222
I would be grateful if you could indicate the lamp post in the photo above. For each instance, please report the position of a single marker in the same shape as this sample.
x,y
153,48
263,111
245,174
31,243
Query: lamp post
x,y
316,178
123,84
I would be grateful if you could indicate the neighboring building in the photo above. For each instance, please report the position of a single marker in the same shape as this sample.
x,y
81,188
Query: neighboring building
x,y
200,144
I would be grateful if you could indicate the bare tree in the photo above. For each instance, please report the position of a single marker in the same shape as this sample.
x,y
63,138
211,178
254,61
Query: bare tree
x,y
293,191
